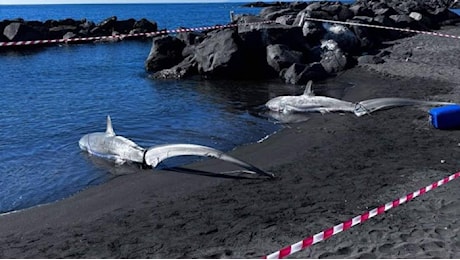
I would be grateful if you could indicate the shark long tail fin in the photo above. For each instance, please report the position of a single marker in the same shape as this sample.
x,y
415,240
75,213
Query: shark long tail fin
x,y
154,155
368,106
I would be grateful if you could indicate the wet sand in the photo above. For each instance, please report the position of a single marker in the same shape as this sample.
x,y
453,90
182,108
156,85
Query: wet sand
x,y
329,169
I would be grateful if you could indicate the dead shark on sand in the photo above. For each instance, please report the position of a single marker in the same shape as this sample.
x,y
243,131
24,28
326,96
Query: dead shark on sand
x,y
120,149
309,102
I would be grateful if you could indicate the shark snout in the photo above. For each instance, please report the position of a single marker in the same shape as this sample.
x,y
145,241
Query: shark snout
x,y
275,105
83,143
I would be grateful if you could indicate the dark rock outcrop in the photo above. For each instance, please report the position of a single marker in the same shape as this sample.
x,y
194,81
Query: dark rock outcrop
x,y
298,49
186,68
343,36
166,52
280,56
302,73
219,55
333,58
263,4
21,30
144,26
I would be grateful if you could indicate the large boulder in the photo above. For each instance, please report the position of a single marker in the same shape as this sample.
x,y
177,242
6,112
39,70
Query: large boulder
x,y
38,26
313,32
287,19
124,26
219,55
387,34
58,32
247,18
266,34
369,38
108,24
338,11
69,21
361,9
166,52
85,27
268,11
106,27
299,74
345,38
279,56
283,12
298,5
69,35
144,26
333,59
255,54
20,32
190,39
255,40
314,6
185,68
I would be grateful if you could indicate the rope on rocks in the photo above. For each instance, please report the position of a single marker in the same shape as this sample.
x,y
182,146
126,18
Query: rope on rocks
x,y
309,241
182,30
382,27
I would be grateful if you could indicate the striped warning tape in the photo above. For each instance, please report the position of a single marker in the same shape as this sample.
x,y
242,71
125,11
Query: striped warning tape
x,y
383,27
309,241
182,30
122,36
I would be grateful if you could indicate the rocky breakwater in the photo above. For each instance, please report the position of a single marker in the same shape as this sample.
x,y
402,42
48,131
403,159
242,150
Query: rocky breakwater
x,y
21,30
282,42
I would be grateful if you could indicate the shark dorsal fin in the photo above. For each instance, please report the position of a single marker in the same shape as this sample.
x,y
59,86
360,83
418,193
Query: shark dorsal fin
x,y
308,89
109,129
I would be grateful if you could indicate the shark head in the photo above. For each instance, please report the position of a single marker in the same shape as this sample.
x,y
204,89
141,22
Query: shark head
x,y
277,104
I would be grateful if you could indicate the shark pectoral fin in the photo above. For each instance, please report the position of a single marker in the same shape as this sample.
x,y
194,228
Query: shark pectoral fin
x,y
308,89
323,110
119,161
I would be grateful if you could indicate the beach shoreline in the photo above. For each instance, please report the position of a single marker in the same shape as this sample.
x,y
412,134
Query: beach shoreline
x,y
329,169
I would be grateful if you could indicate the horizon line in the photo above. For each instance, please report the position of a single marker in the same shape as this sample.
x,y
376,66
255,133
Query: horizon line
x,y
77,2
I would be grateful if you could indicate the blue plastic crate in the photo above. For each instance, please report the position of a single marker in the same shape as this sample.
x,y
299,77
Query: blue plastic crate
x,y
446,117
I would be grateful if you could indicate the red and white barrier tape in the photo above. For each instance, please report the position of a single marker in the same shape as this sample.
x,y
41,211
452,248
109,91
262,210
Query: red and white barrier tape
x,y
122,36
383,27
309,241
151,34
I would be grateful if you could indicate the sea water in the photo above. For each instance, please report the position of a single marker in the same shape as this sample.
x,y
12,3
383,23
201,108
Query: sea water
x,y
52,96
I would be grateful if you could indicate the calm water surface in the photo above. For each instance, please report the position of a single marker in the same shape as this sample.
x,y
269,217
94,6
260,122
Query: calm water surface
x,y
53,96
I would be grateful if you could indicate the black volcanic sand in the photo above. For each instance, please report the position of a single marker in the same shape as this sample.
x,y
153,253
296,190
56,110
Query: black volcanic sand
x,y
330,168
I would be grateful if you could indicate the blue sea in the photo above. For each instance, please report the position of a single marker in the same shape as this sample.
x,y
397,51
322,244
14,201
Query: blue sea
x,y
54,95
